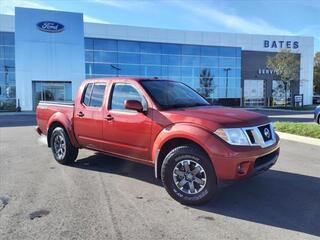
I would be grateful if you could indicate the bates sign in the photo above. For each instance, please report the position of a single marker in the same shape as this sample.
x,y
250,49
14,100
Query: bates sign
x,y
281,44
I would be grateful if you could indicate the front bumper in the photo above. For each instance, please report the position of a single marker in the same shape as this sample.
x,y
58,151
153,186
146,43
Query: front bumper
x,y
236,162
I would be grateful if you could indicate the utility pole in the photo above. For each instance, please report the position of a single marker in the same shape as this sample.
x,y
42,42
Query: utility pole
x,y
227,79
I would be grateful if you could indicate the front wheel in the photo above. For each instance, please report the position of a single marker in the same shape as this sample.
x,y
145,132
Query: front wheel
x,y
188,176
63,151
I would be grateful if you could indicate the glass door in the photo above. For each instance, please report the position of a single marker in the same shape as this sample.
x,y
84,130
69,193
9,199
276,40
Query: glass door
x,y
50,91
254,93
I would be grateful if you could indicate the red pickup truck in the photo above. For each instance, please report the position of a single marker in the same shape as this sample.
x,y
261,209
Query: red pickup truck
x,y
193,146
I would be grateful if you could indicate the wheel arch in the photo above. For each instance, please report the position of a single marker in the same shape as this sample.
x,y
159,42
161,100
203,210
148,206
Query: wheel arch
x,y
178,137
60,120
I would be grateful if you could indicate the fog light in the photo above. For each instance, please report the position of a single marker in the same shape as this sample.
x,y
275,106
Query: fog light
x,y
243,168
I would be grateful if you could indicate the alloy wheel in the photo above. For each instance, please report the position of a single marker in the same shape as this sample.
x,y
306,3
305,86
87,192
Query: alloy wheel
x,y
189,176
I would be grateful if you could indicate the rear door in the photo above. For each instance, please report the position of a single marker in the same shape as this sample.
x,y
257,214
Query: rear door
x,y
88,118
127,132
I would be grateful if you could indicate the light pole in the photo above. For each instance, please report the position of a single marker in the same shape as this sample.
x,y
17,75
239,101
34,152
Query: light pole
x,y
227,79
116,68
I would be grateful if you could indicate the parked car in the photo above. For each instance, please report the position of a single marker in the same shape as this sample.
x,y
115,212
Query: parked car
x,y
317,114
193,146
316,99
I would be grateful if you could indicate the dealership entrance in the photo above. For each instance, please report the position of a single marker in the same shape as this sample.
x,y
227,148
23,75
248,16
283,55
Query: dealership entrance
x,y
50,91
254,93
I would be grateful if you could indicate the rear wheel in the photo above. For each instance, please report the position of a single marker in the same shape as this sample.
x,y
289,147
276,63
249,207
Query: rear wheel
x,y
188,176
63,151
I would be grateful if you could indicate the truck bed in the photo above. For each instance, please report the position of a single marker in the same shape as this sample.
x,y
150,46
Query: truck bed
x,y
46,109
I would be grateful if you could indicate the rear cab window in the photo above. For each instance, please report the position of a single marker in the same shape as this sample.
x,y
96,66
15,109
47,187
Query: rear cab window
x,y
93,95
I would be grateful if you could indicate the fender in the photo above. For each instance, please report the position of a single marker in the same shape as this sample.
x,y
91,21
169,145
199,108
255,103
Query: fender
x,y
66,123
188,131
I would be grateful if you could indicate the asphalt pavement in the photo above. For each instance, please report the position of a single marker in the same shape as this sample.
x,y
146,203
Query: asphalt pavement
x,y
101,197
287,116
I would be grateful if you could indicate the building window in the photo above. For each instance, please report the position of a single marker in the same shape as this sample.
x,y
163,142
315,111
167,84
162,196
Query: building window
x,y
180,62
7,72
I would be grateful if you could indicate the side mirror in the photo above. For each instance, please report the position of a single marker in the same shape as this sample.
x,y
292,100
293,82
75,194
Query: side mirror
x,y
133,105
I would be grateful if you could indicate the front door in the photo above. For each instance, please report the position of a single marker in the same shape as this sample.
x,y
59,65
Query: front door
x,y
127,132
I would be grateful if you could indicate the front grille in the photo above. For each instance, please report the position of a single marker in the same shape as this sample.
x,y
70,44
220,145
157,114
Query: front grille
x,y
250,135
266,133
264,160
262,136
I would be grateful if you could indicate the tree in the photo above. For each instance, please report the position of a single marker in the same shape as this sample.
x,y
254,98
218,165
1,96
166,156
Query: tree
x,y
286,66
316,73
206,80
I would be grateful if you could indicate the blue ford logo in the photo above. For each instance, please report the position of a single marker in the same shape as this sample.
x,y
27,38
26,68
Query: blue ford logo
x,y
50,27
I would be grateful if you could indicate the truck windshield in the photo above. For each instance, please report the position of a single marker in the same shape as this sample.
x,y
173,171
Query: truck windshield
x,y
171,94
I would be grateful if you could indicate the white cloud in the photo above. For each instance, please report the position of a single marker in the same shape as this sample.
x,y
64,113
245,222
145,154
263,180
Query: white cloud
x,y
7,7
131,5
112,3
87,18
232,21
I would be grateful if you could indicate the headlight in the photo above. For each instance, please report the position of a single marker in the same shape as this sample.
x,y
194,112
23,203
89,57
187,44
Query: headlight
x,y
233,136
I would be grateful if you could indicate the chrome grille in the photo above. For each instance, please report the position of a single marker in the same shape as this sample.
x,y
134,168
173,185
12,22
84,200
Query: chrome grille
x,y
262,135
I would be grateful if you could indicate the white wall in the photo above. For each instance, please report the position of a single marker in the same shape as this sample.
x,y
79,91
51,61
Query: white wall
x,y
43,56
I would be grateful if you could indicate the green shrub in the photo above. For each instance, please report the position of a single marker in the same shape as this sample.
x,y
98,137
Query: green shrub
x,y
302,129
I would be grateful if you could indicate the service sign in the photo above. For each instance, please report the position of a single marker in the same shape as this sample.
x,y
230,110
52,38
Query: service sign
x,y
50,26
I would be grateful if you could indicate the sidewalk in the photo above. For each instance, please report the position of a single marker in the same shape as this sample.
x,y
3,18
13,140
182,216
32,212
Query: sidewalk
x,y
300,139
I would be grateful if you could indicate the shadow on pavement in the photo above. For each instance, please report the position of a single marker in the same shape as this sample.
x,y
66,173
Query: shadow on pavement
x,y
103,163
280,199
18,120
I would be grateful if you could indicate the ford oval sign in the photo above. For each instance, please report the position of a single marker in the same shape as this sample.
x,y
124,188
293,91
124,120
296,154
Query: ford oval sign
x,y
50,27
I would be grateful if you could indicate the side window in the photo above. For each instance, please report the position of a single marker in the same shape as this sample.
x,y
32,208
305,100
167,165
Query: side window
x,y
87,94
123,92
97,95
94,95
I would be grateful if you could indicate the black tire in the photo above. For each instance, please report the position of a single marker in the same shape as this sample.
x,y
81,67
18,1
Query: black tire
x,y
318,119
180,156
63,151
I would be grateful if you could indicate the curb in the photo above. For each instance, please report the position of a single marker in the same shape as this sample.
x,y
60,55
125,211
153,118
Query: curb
x,y
300,139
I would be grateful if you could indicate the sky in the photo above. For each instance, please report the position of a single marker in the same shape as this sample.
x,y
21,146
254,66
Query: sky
x,y
276,17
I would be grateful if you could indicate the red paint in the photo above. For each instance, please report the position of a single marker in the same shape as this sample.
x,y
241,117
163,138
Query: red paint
x,y
138,136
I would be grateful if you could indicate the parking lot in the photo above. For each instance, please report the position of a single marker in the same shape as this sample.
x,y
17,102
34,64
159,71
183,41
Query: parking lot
x,y
101,197
288,116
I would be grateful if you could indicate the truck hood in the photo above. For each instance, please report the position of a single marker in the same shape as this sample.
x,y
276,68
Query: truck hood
x,y
214,117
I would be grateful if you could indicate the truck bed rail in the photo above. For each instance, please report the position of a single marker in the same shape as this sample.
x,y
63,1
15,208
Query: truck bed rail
x,y
67,103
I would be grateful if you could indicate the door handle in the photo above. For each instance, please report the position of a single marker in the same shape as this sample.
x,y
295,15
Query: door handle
x,y
109,117
80,114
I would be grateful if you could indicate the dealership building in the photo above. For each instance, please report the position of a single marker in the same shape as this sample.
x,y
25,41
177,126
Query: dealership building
x,y
45,55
